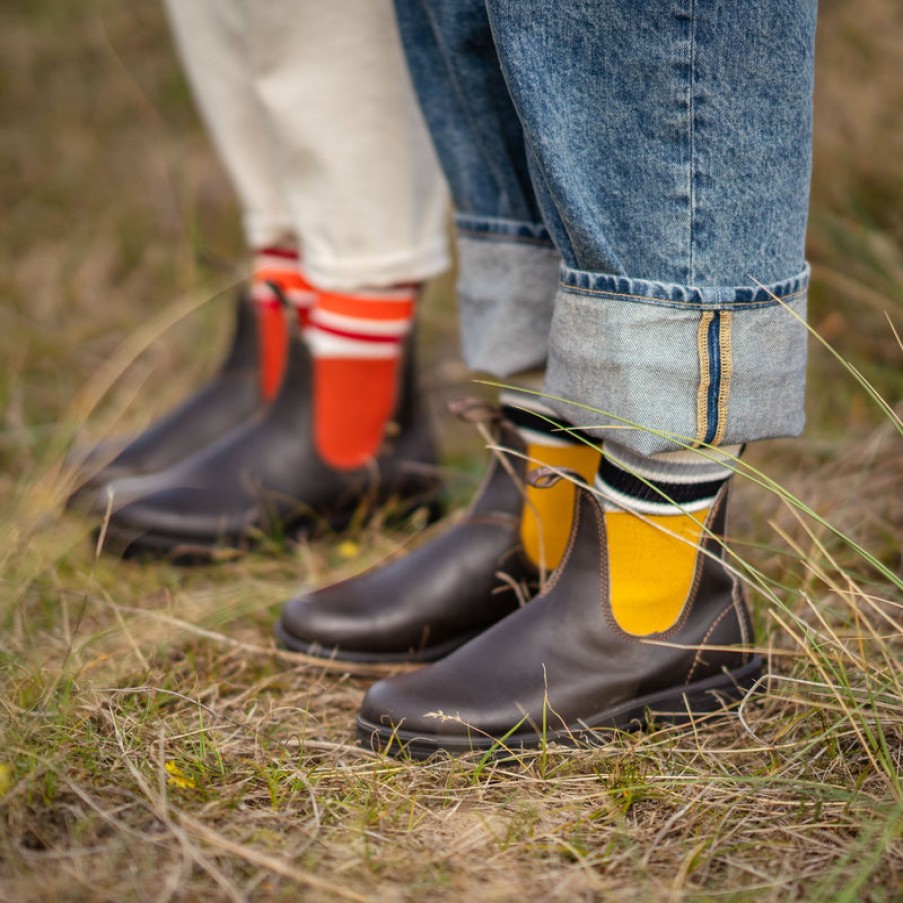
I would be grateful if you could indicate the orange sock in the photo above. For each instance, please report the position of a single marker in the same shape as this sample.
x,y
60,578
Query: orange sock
x,y
277,266
356,341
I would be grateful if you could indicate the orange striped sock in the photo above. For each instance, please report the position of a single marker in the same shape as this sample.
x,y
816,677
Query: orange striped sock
x,y
277,266
356,340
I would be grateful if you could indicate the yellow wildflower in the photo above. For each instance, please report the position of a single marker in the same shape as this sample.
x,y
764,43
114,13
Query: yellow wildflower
x,y
177,777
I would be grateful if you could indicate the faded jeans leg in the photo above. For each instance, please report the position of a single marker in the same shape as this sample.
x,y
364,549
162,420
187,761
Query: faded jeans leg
x,y
671,144
507,263
668,148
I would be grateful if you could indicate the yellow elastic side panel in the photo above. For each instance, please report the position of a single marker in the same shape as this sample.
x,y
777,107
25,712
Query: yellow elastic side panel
x,y
651,567
554,506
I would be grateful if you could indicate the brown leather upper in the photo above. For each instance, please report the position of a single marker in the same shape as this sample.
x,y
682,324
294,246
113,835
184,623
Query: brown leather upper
x,y
562,663
437,596
265,475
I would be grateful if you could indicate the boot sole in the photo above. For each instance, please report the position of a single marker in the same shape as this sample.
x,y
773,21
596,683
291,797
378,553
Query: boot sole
x,y
336,658
677,705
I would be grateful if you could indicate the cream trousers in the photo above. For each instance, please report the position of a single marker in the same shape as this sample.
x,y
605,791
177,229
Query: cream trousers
x,y
311,109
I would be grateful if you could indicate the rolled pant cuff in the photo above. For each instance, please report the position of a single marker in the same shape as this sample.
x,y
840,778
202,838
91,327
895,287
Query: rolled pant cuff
x,y
657,367
413,264
266,231
508,275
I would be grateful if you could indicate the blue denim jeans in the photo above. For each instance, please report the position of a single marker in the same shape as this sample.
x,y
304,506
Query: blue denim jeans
x,y
631,184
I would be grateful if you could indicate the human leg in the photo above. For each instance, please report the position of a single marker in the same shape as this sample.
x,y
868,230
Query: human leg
x,y
508,270
508,263
327,151
210,38
675,185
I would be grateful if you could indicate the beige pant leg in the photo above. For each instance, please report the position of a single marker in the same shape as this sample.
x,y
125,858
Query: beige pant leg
x,y
212,39
312,110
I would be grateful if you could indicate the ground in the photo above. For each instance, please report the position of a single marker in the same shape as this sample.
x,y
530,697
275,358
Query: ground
x,y
155,745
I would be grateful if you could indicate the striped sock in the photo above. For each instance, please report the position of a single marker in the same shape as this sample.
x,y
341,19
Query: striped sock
x,y
546,519
277,266
356,340
655,512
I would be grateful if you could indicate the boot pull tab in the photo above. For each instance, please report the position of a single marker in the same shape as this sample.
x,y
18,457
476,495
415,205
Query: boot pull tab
x,y
474,410
547,477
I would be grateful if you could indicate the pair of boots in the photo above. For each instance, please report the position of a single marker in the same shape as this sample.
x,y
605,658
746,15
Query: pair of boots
x,y
239,459
628,624
513,660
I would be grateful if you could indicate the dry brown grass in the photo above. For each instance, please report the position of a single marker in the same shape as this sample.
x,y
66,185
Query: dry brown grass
x,y
153,743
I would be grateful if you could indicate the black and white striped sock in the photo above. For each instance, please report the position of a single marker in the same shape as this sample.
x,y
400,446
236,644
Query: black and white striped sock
x,y
680,482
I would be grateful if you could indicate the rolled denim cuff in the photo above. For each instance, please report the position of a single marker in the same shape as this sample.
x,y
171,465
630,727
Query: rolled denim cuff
x,y
508,277
658,367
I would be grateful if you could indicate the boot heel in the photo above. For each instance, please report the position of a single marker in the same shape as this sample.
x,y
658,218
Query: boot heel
x,y
710,696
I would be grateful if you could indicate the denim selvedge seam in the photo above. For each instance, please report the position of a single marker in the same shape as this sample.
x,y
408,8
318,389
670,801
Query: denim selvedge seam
x,y
705,375
713,342
714,393
714,382
725,345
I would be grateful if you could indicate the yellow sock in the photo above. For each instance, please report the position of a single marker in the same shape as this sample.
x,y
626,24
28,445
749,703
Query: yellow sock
x,y
547,515
656,510
651,567
546,522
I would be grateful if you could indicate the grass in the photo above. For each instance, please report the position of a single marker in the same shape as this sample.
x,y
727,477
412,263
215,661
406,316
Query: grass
x,y
154,744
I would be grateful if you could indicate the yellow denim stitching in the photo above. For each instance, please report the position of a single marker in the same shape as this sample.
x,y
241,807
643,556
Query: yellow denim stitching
x,y
727,369
702,348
